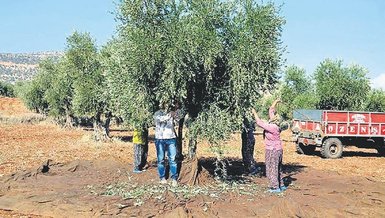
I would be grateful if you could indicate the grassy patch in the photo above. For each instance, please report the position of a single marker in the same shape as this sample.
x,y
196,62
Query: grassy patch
x,y
28,118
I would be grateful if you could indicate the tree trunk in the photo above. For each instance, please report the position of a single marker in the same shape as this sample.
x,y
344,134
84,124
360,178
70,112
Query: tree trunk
x,y
192,147
69,120
248,142
179,141
101,133
107,123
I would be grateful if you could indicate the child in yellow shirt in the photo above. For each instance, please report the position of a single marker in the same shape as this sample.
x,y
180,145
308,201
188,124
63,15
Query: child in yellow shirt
x,y
140,149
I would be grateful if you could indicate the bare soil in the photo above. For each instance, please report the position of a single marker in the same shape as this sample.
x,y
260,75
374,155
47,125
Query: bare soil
x,y
48,171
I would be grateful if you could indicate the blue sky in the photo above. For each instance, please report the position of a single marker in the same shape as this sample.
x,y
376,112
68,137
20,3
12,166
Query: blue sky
x,y
351,30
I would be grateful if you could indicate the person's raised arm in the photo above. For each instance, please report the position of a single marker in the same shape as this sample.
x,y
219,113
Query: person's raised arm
x,y
264,125
272,109
255,115
274,104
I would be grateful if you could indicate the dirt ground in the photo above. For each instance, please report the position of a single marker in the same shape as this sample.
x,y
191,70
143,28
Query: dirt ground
x,y
48,171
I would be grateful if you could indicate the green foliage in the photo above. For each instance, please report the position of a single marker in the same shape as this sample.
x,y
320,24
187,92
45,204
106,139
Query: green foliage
x,y
214,125
201,53
131,93
89,93
296,92
339,87
19,88
34,92
194,64
60,92
255,53
72,86
217,58
375,101
307,100
7,89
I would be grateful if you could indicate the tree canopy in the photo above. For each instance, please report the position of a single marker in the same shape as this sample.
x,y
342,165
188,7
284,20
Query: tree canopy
x,y
214,57
339,87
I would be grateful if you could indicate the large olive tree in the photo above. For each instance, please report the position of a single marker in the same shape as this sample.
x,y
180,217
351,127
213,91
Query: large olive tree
x,y
215,57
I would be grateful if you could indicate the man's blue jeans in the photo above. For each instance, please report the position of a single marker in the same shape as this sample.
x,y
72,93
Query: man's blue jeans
x,y
169,146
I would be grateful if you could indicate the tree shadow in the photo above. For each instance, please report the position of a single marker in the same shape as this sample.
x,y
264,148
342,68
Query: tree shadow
x,y
88,129
119,130
237,173
317,153
360,154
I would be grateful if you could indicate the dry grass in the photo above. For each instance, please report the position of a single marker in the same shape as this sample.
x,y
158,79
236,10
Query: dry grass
x,y
25,119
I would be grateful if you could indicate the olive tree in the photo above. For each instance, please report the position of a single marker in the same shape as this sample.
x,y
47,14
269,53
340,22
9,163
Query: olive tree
x,y
254,58
90,98
214,57
296,91
6,89
60,93
375,101
33,93
134,60
339,87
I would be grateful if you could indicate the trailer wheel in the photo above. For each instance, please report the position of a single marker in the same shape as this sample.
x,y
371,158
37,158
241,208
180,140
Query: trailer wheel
x,y
332,148
305,149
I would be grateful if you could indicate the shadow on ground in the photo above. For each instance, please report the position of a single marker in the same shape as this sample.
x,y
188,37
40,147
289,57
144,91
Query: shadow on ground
x,y
236,172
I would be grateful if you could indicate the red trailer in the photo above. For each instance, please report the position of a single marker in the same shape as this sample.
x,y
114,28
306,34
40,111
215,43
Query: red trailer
x,y
332,130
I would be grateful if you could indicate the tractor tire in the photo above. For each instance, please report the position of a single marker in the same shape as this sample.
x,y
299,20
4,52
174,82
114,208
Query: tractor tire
x,y
305,149
332,148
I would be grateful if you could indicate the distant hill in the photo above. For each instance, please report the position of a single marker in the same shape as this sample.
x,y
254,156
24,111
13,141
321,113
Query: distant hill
x,y
22,66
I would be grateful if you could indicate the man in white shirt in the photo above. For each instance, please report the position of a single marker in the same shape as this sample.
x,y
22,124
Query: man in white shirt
x,y
165,141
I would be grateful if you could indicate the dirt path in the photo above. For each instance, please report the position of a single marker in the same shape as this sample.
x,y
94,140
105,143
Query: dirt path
x,y
88,179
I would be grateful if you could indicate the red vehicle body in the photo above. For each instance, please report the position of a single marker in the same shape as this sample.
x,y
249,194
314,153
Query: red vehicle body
x,y
332,130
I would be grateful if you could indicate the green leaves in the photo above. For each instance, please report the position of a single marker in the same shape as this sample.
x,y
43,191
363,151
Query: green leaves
x,y
375,101
255,54
214,125
335,86
340,87
215,57
297,91
6,89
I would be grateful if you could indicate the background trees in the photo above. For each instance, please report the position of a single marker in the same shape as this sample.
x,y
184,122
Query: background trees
x,y
90,96
33,93
332,86
6,89
216,58
375,101
73,87
339,87
297,91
